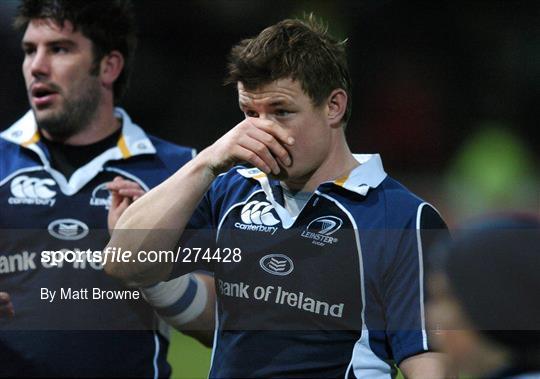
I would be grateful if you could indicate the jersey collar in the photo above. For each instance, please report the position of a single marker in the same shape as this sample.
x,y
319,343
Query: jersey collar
x,y
133,141
369,174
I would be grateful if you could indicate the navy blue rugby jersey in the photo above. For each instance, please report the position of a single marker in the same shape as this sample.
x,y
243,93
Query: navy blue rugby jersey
x,y
337,291
74,335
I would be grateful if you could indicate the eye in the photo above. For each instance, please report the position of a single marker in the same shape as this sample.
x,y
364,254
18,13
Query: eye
x,y
59,49
282,112
29,50
249,113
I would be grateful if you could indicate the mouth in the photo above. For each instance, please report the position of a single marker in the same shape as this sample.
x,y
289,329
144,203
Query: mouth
x,y
42,95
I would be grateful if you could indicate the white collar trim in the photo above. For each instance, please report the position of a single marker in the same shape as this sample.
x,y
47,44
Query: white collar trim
x,y
133,141
369,174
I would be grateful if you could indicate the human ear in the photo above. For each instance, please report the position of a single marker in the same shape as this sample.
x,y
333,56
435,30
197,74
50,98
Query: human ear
x,y
111,67
336,105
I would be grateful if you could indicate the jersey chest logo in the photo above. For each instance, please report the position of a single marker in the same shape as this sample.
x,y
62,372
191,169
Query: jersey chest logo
x,y
320,230
257,216
26,190
68,229
277,264
101,196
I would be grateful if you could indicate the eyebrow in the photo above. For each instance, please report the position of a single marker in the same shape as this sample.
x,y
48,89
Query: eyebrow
x,y
274,104
279,103
61,41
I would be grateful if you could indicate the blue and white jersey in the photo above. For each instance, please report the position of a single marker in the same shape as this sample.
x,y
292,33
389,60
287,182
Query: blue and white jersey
x,y
73,336
337,291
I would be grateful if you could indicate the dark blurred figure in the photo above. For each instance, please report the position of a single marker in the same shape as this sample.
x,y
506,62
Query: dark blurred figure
x,y
485,298
6,306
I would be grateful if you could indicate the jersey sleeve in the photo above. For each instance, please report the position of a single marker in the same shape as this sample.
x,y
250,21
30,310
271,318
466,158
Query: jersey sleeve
x,y
404,289
197,239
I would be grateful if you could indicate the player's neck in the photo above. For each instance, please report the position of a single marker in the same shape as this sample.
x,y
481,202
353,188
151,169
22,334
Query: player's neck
x,y
103,124
339,163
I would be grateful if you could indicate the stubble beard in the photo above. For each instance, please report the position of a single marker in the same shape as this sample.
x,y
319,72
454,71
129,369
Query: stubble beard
x,y
74,115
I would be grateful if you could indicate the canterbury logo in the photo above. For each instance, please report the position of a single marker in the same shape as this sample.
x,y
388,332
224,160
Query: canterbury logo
x,y
258,213
32,191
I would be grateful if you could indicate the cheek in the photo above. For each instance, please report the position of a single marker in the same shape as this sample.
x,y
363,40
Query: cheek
x,y
26,72
72,80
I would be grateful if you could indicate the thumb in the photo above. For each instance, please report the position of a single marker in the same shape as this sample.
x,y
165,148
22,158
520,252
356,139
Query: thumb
x,y
123,204
116,199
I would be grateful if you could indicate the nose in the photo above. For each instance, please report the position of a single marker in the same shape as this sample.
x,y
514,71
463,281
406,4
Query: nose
x,y
39,64
266,116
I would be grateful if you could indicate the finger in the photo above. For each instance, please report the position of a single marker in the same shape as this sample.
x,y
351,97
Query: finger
x,y
131,192
121,184
271,127
116,199
114,182
123,205
261,151
7,310
275,147
249,156
6,307
4,298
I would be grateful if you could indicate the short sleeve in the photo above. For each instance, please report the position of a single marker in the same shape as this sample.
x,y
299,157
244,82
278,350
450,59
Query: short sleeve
x,y
198,237
404,292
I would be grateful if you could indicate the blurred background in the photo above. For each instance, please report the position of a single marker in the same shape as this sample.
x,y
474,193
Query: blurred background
x,y
448,92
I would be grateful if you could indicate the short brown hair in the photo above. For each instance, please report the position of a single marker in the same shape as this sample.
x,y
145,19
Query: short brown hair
x,y
109,24
298,49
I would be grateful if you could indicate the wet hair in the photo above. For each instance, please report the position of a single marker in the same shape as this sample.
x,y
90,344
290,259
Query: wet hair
x,y
297,49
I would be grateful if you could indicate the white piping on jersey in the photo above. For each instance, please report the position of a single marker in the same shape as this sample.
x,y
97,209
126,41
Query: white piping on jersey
x,y
156,355
26,169
130,176
193,153
373,365
421,272
163,328
136,143
231,208
214,344
286,219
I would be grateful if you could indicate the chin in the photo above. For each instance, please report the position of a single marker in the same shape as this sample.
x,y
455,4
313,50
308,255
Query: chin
x,y
44,114
284,174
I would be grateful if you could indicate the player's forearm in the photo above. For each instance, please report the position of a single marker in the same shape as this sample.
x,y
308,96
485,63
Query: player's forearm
x,y
187,303
202,327
156,222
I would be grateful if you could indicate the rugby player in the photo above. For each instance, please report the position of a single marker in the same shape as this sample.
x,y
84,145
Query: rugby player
x,y
57,165
317,253
485,305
